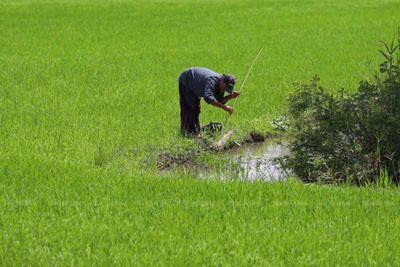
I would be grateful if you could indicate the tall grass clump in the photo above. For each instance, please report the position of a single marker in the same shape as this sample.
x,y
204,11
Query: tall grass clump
x,y
335,137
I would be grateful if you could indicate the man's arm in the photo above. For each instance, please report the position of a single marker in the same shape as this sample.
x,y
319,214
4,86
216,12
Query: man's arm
x,y
228,109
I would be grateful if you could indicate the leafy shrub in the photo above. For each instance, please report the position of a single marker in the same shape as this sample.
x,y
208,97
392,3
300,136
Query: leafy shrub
x,y
348,136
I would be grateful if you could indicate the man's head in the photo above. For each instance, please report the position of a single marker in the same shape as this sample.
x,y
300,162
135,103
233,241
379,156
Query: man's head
x,y
227,83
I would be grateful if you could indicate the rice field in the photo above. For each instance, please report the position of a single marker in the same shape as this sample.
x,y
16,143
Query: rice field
x,y
88,97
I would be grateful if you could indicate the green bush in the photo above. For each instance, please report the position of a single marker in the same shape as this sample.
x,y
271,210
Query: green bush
x,y
348,136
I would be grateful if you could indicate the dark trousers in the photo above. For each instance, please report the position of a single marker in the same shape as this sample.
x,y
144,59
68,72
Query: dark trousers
x,y
190,111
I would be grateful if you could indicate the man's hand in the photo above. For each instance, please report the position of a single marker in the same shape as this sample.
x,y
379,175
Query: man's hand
x,y
229,109
235,94
232,96
222,106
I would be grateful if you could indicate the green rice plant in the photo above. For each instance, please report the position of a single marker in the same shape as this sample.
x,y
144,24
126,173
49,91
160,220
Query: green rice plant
x,y
384,180
88,99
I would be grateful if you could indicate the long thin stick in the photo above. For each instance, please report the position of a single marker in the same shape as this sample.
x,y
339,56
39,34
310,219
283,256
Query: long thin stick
x,y
241,86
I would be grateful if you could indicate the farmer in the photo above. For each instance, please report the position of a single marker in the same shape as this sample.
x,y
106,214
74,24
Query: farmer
x,y
199,82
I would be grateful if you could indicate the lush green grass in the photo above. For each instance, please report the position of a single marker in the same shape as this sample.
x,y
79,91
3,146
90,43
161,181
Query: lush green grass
x,y
80,217
88,93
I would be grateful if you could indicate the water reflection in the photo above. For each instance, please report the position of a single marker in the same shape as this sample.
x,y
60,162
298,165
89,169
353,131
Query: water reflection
x,y
257,161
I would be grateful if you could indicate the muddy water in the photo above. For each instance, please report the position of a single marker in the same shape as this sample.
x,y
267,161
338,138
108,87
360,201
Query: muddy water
x,y
248,162
257,161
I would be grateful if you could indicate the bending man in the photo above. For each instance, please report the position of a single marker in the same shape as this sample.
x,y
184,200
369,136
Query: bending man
x,y
198,82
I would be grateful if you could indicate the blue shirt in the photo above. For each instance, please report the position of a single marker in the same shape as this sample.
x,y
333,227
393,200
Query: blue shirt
x,y
202,82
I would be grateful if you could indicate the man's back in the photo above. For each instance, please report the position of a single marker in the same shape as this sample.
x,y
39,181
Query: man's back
x,y
198,79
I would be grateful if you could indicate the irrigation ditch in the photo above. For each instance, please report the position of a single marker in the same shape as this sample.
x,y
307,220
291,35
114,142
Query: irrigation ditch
x,y
256,157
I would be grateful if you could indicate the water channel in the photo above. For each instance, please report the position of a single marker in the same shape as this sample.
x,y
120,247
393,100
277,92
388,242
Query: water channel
x,y
251,162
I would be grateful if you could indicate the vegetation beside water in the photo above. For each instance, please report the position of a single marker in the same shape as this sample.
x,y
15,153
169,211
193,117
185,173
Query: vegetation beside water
x,y
349,136
88,98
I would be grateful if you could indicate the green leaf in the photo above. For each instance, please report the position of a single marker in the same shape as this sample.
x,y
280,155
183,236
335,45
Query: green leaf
x,y
388,57
387,48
